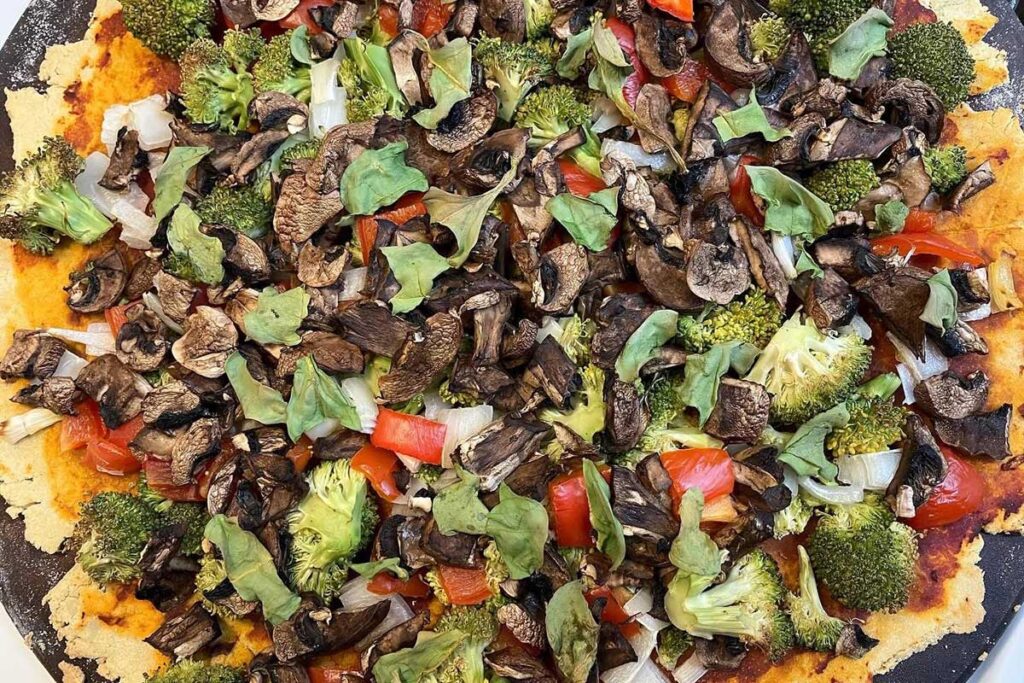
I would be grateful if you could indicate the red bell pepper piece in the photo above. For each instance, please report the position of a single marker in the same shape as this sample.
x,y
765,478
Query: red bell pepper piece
x,y
410,435
959,494
709,469
378,465
927,244
577,180
464,586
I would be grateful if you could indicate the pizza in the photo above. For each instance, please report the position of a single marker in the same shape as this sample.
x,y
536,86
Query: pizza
x,y
513,340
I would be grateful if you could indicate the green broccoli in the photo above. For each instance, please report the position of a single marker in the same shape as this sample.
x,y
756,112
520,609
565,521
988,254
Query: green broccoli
x,y
212,574
215,82
168,27
455,398
865,557
669,427
936,54
946,166
495,568
304,150
39,202
277,71
193,517
514,67
364,101
769,36
876,422
792,520
189,671
551,112
574,337
807,371
822,20
370,93
245,209
844,183
181,266
586,416
154,499
113,530
480,627
539,16
332,523
754,319
672,643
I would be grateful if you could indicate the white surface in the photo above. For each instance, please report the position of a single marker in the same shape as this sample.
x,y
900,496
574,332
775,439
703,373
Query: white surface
x,y
20,665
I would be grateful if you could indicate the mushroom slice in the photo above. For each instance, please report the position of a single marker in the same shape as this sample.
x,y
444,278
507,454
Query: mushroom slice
x,y
276,109
922,468
33,355
484,165
401,51
952,397
829,301
316,629
613,648
186,634
517,664
468,122
314,268
505,19
664,276
171,406
727,45
792,75
117,390
209,339
372,327
653,110
760,479
301,211
959,340
661,44
499,449
125,161
625,417
908,102
983,434
255,152
638,508
197,444
553,372
764,264
273,10
899,296
740,413
244,256
976,181
851,138
422,358
721,653
458,550
174,295
852,258
99,286
341,145
563,272
141,342
701,139
58,394
619,317
330,351
489,325
718,273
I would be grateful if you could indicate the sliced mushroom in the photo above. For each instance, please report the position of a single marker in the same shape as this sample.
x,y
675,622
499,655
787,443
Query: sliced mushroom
x,y
552,371
373,328
271,441
764,264
721,653
301,211
563,272
852,138
423,356
625,417
517,664
613,648
727,44
740,413
701,139
976,181
125,161
661,44
490,313
197,444
141,342
505,19
499,449
793,75
718,273
745,533
58,394
760,479
316,629
255,152
273,10
852,258
278,110
316,270
982,434
638,509
458,550
467,123
209,339
952,397
909,103
828,300
175,296
531,478
99,286
330,351
922,468
663,273
117,390
186,634
243,256
400,637
653,110
33,354
959,340
899,296
341,146
485,164
171,406
619,317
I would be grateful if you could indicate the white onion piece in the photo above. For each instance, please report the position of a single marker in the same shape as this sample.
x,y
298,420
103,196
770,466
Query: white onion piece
x,y
137,228
99,341
69,365
355,595
872,471
605,116
689,671
399,613
643,644
462,424
152,302
327,107
659,163
913,370
148,116
979,313
24,425
652,623
858,326
790,480
549,327
104,343
116,117
785,252
325,428
88,184
353,282
434,405
412,464
358,392
641,603
832,494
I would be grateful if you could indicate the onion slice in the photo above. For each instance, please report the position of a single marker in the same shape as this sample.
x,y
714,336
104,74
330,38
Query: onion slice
x,y
97,338
359,393
689,671
24,425
871,471
832,494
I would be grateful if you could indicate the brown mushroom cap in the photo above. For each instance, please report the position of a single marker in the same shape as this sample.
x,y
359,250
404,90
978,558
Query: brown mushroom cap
x,y
951,396
422,358
661,43
718,273
209,339
99,286
727,44
141,342
272,10
505,19
468,121
562,273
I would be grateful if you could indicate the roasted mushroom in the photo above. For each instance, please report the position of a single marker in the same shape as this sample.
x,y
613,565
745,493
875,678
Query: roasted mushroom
x,y
422,358
562,273
466,123
33,354
141,342
899,296
982,434
952,397
500,448
186,634
118,391
171,406
58,394
922,468
718,273
209,339
99,286
740,413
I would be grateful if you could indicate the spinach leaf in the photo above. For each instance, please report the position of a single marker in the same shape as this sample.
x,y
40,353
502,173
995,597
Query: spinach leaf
x,y
458,509
519,527
316,397
644,343
940,311
806,264
748,119
703,374
379,177
792,209
805,450
451,79
693,552
170,180
251,569
259,402
590,220
607,45
374,63
414,266
299,45
863,39
575,56
388,564
610,538
414,664
204,251
277,316
572,632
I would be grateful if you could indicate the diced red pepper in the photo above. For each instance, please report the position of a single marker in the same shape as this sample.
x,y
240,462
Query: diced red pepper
x,y
300,16
577,180
741,191
77,431
464,586
919,220
123,435
109,458
686,85
387,19
709,469
959,494
378,465
927,244
612,612
386,583
570,511
401,212
410,435
117,317
429,17
301,453
680,9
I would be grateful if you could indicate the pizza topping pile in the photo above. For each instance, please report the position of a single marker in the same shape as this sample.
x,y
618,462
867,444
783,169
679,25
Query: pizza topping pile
x,y
517,341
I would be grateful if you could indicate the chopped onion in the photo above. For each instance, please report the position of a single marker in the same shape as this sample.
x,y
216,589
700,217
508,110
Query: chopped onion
x,y
325,428
69,365
327,107
641,603
358,392
833,494
147,116
871,471
659,163
913,370
643,644
399,613
353,282
137,228
355,594
1000,283
858,326
782,246
689,671
98,341
24,425
88,184
605,115
412,464
647,621
152,302
462,424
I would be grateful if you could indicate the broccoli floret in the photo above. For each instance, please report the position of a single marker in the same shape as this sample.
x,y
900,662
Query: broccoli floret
x,y
154,499
304,150
368,94
754,319
936,54
215,83
514,67
768,38
813,627
193,517
574,338
168,27
669,427
822,20
539,15
865,557
39,202
329,527
277,71
480,626
746,606
494,567
844,183
429,474
113,530
793,519
212,574
876,422
189,671
946,166
243,208
586,416
455,398
551,112
807,371
672,643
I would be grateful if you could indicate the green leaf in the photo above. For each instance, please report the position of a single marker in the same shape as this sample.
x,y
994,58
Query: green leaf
x,y
607,45
805,450
748,119
277,316
608,78
414,664
703,374
316,397
572,632
890,217
575,56
792,209
251,569
863,39
414,266
451,79
610,538
170,181
590,220
693,552
644,343
519,527
379,177
458,509
388,564
205,252
806,264
374,65
940,311
300,46
259,402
